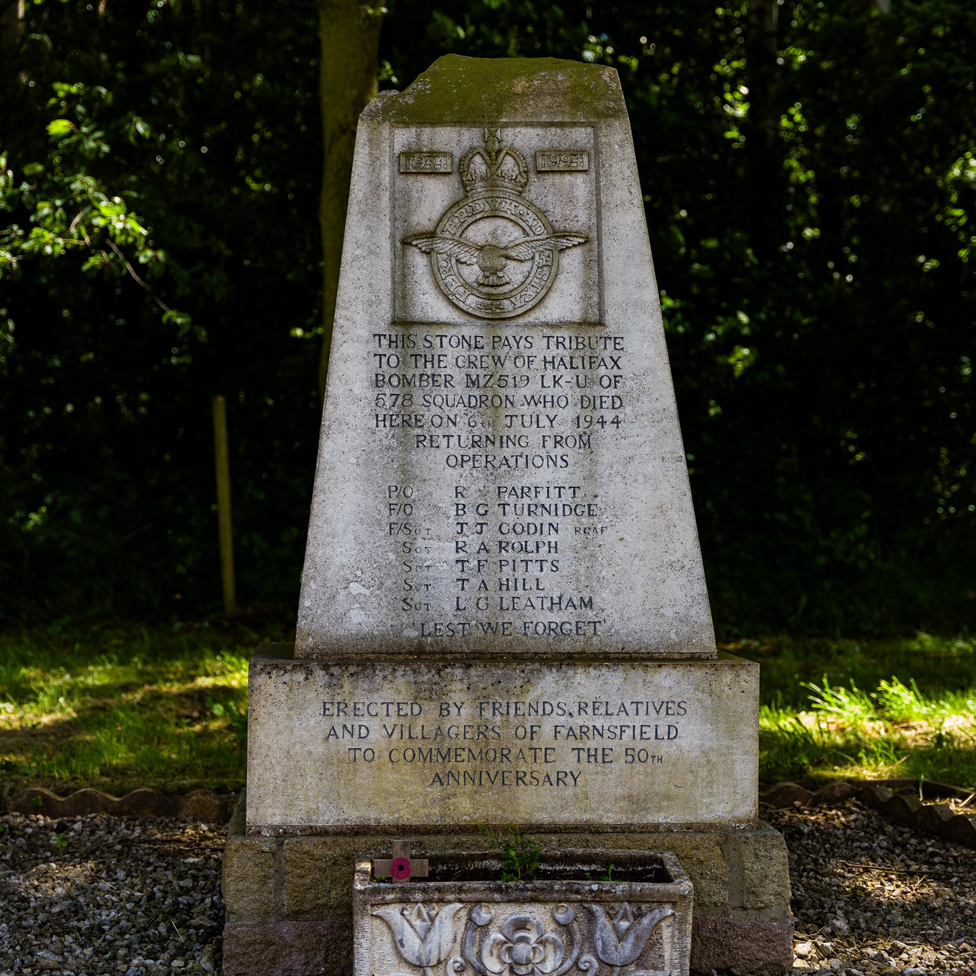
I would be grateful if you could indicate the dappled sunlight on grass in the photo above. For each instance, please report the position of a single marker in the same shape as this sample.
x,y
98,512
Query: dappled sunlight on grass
x,y
119,709
939,665
159,711
837,708
893,731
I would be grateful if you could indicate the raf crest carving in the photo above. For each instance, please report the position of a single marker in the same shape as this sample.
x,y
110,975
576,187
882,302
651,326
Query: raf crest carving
x,y
494,253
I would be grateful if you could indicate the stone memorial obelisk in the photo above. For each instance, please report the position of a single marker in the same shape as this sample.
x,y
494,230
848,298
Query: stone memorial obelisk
x,y
503,617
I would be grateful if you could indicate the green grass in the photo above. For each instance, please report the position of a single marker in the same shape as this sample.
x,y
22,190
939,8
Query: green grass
x,y
119,707
834,709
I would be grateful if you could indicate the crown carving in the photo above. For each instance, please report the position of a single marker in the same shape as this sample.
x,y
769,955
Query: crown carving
x,y
494,167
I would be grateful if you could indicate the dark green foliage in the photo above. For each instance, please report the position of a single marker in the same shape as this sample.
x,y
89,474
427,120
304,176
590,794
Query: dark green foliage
x,y
205,123
818,291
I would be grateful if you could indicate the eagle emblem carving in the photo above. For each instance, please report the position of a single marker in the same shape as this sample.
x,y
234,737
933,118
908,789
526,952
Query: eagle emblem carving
x,y
494,253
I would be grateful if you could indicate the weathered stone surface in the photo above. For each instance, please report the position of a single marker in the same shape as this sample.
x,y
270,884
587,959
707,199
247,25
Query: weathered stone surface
x,y
541,926
318,873
503,617
746,945
316,885
249,882
288,948
314,873
501,469
311,948
701,855
424,745
765,870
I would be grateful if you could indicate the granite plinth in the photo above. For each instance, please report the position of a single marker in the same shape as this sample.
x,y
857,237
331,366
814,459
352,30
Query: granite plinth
x,y
427,745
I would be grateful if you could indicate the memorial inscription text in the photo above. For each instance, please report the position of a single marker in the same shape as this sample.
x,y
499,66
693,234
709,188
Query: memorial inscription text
x,y
535,743
500,429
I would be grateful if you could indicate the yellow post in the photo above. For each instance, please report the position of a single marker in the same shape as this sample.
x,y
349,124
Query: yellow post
x,y
223,504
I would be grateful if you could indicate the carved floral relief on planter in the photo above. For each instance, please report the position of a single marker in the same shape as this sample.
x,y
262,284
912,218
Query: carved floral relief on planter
x,y
484,928
424,934
521,945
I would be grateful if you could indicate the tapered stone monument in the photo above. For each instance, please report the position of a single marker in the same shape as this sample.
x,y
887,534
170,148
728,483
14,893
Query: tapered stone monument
x,y
503,618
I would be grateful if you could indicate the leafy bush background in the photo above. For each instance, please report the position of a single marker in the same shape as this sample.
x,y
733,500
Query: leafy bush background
x,y
811,218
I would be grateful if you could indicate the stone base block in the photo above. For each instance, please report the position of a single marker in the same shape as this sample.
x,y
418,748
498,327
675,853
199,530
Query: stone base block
x,y
621,746
288,948
289,899
747,945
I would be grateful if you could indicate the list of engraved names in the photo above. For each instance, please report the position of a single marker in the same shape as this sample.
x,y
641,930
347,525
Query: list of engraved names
x,y
493,531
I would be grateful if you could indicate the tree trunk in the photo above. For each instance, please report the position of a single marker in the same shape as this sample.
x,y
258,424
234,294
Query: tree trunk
x,y
761,125
347,81
12,14
11,22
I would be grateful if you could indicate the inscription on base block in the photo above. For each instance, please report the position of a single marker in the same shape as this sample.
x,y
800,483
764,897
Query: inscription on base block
x,y
476,744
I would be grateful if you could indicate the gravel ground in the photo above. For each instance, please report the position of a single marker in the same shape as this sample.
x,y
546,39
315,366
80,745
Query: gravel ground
x,y
872,897
142,897
113,895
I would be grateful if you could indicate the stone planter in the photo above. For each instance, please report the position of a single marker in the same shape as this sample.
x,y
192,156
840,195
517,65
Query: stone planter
x,y
460,920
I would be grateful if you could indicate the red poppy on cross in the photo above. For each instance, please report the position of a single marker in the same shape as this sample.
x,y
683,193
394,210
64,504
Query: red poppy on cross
x,y
400,866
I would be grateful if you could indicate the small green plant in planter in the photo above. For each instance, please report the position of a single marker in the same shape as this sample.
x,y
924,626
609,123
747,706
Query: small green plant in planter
x,y
606,877
520,855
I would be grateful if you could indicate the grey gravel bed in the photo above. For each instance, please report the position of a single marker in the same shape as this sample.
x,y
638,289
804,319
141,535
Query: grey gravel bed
x,y
142,897
872,897
113,895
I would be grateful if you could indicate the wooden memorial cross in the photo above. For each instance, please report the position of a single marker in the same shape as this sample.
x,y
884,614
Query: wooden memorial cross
x,y
400,866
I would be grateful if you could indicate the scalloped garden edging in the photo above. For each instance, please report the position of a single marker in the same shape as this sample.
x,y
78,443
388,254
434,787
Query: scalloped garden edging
x,y
930,818
210,807
203,805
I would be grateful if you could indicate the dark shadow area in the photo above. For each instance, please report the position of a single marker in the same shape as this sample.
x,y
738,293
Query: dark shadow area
x,y
809,204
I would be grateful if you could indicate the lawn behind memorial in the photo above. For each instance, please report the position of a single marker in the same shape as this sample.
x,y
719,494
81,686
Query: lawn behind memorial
x,y
120,707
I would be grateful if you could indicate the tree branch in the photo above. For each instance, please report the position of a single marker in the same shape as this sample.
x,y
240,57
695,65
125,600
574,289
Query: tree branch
x,y
132,271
